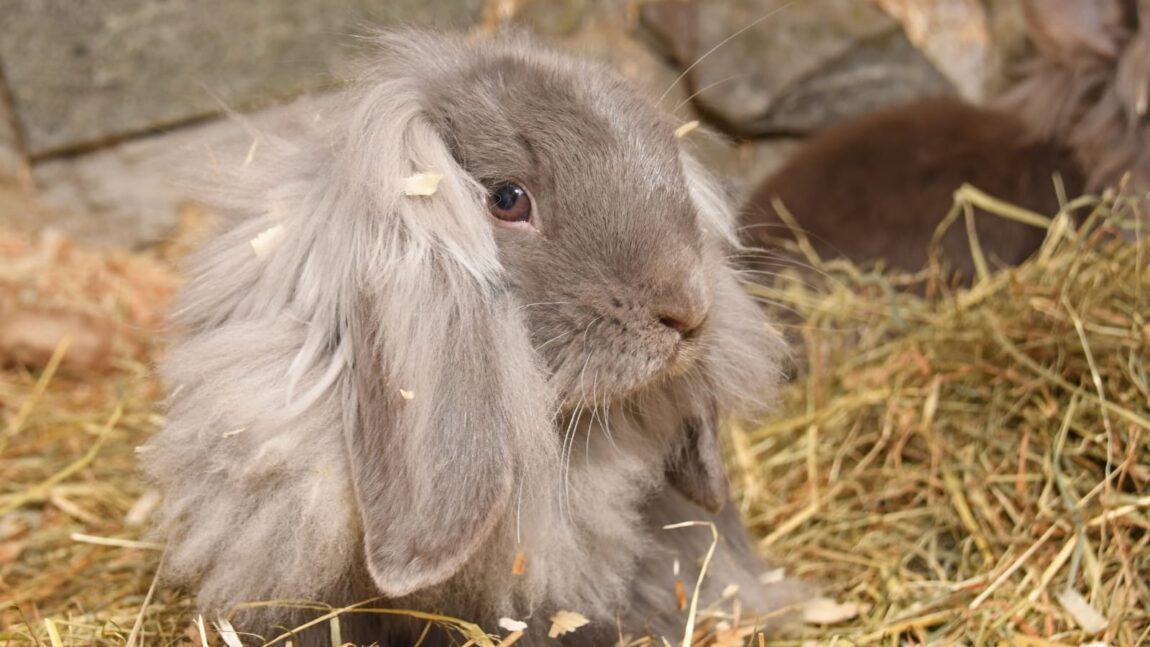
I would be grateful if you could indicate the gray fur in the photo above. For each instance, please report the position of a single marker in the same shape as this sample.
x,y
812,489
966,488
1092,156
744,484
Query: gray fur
x,y
551,413
1090,85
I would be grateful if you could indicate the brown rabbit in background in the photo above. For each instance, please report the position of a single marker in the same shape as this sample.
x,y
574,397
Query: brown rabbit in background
x,y
483,396
877,187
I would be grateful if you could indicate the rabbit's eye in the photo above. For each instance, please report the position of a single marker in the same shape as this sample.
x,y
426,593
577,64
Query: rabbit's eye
x,y
510,202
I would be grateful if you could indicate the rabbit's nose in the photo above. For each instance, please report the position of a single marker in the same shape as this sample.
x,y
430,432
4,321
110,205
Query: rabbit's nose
x,y
685,321
682,305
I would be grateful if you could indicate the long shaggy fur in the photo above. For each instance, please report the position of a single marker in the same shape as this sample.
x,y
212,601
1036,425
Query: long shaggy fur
x,y
374,410
1089,86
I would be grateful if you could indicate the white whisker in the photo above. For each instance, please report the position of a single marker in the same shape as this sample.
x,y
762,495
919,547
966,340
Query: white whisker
x,y
543,303
556,337
721,43
702,90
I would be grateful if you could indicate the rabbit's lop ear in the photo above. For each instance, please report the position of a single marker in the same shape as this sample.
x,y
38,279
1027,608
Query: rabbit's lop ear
x,y
696,469
448,400
443,406
1064,30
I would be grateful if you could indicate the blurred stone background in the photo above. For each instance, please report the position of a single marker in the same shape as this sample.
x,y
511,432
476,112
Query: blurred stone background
x,y
107,106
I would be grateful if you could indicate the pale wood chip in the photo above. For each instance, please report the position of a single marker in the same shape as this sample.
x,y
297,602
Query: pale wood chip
x,y
421,184
564,622
511,624
825,611
1084,614
685,129
267,241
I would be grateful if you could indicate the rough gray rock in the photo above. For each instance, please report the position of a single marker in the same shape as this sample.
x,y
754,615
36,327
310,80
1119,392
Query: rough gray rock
x,y
131,195
12,163
1010,45
82,73
606,32
92,73
878,71
766,67
554,18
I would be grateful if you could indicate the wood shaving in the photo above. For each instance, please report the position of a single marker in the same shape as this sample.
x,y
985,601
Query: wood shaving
x,y
143,508
685,129
564,622
511,624
267,241
773,576
1084,614
825,611
421,184
110,304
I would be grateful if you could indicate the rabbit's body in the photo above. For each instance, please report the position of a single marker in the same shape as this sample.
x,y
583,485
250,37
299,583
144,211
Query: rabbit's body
x,y
412,391
877,187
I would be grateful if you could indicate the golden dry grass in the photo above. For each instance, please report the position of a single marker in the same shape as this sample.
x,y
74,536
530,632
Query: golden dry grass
x,y
958,468
955,466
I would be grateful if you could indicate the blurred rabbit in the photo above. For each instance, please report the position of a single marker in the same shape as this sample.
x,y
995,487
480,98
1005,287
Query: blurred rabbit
x,y
876,187
480,392
1090,85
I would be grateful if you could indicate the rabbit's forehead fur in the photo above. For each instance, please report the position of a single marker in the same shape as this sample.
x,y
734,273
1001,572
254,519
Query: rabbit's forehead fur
x,y
619,241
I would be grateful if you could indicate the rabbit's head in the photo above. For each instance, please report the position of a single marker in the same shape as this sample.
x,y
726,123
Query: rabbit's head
x,y
608,258
569,268
1089,87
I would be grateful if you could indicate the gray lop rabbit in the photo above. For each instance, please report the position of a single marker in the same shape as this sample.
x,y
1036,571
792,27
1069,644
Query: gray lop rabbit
x,y
414,388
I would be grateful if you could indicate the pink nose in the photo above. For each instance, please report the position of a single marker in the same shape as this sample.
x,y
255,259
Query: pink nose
x,y
685,322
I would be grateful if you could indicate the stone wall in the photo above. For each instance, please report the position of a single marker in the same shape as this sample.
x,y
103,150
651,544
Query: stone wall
x,y
109,104
82,73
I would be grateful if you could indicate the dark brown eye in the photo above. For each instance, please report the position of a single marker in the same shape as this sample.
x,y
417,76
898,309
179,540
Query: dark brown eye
x,y
509,202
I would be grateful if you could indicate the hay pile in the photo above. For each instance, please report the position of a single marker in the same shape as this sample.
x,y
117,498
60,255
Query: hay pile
x,y
969,469
974,469
68,431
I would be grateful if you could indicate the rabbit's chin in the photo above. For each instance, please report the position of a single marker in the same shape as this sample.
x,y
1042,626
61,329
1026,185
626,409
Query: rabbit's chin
x,y
580,387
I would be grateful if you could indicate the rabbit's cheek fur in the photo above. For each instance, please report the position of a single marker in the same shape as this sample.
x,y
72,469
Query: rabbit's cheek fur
x,y
605,330
603,344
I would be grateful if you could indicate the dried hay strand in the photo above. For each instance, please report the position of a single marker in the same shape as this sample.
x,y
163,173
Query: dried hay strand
x,y
969,467
77,395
